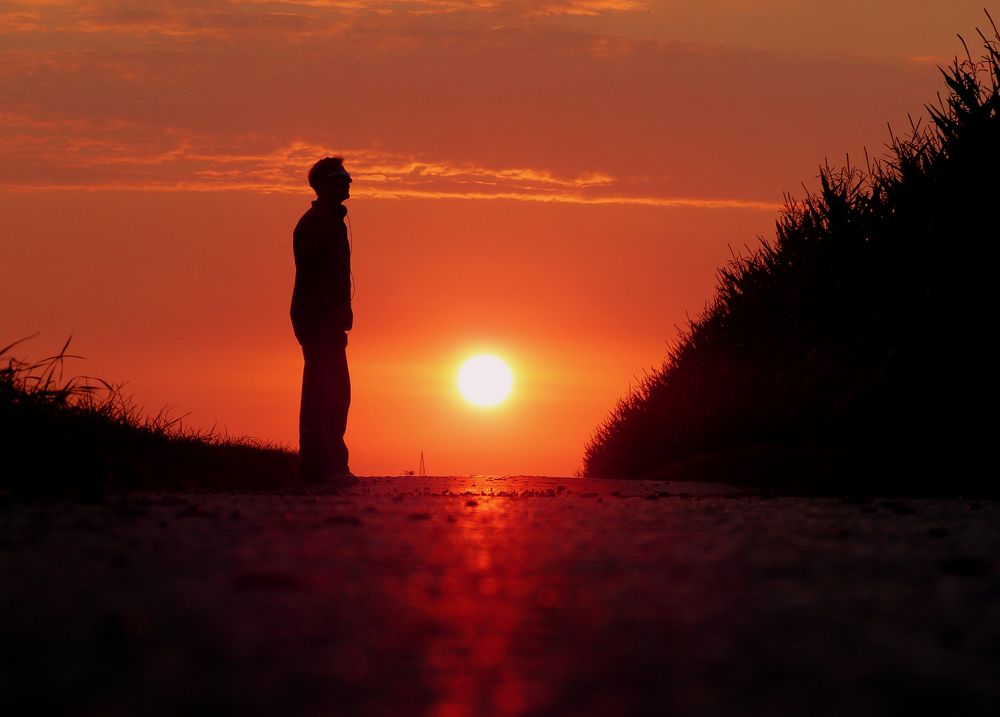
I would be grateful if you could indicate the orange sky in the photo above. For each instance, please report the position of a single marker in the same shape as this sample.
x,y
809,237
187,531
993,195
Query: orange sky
x,y
556,181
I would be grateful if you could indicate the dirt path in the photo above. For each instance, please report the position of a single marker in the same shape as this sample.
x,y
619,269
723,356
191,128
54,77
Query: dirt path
x,y
475,597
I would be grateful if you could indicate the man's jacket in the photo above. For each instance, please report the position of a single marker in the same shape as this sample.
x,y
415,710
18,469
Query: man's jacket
x,y
321,299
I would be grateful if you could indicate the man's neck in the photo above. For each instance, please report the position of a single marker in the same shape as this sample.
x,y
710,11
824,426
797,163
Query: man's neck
x,y
330,205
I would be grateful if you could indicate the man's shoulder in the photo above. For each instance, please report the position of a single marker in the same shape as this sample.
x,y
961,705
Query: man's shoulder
x,y
319,219
308,226
308,217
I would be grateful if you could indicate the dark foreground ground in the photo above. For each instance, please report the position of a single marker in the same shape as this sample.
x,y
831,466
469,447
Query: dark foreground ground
x,y
451,597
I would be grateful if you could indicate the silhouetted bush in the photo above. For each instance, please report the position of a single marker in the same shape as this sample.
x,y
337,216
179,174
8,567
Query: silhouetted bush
x,y
81,437
853,350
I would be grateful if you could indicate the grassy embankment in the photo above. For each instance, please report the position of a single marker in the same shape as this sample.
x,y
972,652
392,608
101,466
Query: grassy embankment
x,y
850,353
82,437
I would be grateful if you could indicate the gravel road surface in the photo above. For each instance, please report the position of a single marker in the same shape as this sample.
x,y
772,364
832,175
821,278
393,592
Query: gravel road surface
x,y
481,597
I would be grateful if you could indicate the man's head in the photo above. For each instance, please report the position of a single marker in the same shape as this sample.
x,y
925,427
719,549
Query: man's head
x,y
330,180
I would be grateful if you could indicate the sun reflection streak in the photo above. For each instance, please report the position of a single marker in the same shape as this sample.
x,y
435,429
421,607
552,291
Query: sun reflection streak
x,y
485,597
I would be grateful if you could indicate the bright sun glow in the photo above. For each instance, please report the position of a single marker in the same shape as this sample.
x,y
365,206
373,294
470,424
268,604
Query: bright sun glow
x,y
485,380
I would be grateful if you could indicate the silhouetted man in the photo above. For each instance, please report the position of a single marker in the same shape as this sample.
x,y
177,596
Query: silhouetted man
x,y
321,317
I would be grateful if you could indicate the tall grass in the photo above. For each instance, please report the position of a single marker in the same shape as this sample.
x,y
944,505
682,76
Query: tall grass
x,y
861,333
83,436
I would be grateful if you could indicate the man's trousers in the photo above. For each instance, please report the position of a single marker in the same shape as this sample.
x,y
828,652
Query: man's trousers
x,y
326,397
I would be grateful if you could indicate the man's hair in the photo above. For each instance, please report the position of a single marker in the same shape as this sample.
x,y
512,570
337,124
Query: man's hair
x,y
324,168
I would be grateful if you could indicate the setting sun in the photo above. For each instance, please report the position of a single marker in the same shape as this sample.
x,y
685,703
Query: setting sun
x,y
485,380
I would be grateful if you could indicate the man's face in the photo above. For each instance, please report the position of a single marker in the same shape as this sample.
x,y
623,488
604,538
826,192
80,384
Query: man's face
x,y
336,188
342,188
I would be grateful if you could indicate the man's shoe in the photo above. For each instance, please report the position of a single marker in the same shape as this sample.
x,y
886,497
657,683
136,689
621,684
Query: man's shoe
x,y
309,475
341,478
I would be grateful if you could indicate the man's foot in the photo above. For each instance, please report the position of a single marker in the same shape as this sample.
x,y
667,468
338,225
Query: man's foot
x,y
327,478
339,478
309,474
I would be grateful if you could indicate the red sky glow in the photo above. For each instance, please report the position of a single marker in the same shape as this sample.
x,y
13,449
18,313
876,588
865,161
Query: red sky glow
x,y
555,182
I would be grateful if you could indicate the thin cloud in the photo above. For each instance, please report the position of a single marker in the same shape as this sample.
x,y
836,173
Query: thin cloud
x,y
190,19
227,184
570,198
122,156
937,60
587,7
